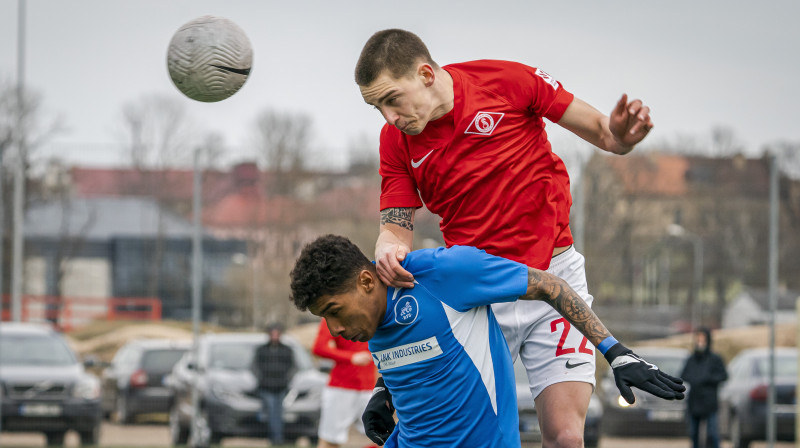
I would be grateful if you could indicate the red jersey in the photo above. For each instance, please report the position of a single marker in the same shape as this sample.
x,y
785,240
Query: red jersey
x,y
344,374
486,167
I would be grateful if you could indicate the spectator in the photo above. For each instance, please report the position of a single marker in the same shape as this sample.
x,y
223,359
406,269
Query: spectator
x,y
704,371
349,388
273,366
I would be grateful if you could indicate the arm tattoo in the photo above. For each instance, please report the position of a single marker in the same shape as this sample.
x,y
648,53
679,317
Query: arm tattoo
x,y
403,217
556,292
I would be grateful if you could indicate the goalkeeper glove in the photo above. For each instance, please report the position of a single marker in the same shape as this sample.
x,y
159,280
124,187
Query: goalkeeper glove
x,y
631,370
378,417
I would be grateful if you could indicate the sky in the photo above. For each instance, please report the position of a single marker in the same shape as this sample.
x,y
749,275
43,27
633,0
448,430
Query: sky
x,y
697,65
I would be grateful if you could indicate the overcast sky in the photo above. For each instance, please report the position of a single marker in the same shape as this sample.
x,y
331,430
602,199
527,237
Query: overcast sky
x,y
697,64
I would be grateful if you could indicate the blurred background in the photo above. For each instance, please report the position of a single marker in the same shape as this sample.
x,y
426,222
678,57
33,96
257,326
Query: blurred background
x,y
98,147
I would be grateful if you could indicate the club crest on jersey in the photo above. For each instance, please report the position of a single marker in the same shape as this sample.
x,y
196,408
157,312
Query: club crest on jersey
x,y
406,310
484,123
547,78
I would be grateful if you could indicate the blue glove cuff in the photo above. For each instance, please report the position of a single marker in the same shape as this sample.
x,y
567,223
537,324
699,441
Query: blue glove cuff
x,y
606,344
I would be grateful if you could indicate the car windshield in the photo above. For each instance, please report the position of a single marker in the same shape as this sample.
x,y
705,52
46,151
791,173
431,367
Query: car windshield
x,y
784,366
162,359
232,355
34,350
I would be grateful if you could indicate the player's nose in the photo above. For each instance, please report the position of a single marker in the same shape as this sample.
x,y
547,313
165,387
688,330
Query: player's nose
x,y
335,328
390,116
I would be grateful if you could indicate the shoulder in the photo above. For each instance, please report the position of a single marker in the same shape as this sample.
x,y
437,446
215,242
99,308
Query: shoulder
x,y
492,73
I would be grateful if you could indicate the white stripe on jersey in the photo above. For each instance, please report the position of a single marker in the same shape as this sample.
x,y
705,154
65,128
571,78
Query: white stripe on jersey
x,y
471,329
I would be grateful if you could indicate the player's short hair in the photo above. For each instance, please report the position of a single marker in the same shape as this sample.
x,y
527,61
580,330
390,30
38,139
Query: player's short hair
x,y
327,266
395,50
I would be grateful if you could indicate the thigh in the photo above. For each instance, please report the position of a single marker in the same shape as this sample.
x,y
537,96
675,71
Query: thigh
x,y
562,407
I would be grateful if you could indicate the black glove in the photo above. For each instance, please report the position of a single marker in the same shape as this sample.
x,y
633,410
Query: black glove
x,y
378,417
631,370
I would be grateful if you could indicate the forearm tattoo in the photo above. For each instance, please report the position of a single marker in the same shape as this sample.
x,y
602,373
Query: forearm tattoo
x,y
555,291
403,217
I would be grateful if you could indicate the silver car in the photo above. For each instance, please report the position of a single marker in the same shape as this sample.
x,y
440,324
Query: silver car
x,y
743,398
648,416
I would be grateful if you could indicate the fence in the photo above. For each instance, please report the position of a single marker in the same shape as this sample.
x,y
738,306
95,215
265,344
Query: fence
x,y
68,313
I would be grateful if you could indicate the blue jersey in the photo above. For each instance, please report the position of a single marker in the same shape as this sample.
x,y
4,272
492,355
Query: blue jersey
x,y
442,354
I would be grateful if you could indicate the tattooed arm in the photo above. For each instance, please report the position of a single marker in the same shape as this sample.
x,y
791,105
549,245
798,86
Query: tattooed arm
x,y
556,292
394,242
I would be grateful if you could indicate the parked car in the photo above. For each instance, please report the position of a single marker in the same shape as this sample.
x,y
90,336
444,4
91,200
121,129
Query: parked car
x,y
529,430
226,388
44,387
743,398
648,416
134,381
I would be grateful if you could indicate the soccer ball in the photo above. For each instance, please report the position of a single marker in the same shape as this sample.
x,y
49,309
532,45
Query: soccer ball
x,y
209,58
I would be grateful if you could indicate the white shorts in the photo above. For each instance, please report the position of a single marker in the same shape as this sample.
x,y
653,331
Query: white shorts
x,y
341,408
551,350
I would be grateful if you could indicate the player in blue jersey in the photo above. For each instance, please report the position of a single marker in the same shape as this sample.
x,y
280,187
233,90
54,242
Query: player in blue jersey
x,y
438,346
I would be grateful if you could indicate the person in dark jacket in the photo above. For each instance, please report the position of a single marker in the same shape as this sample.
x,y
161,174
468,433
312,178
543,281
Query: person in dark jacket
x,y
273,366
704,371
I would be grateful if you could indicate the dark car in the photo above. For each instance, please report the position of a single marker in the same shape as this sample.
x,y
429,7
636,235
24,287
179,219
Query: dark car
x,y
648,416
229,406
44,387
743,398
529,430
134,381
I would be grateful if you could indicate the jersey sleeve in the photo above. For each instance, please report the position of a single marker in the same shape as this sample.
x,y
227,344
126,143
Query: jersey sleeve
x,y
398,187
535,90
465,277
325,345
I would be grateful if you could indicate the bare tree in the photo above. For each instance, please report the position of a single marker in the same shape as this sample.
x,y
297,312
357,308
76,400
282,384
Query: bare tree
x,y
159,130
282,139
161,134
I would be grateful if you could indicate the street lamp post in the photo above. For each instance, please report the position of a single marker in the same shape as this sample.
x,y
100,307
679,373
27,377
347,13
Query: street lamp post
x,y
676,230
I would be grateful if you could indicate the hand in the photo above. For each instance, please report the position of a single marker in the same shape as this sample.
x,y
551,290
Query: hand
x,y
361,358
631,370
629,123
378,417
388,256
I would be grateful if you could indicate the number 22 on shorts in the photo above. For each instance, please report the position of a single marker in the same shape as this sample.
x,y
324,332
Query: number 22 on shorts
x,y
561,350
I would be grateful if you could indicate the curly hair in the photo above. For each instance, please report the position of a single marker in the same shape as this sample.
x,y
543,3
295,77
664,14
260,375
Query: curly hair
x,y
327,266
394,50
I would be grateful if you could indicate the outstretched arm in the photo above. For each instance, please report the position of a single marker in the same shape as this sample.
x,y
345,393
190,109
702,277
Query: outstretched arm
x,y
618,133
629,369
394,243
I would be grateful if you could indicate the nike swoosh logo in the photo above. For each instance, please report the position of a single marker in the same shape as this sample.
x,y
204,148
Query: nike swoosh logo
x,y
419,162
572,366
239,71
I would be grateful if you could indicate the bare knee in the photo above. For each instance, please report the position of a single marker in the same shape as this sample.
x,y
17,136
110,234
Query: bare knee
x,y
566,438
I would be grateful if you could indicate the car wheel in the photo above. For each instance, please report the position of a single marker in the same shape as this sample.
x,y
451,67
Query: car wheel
x,y
90,437
122,414
55,438
737,440
178,433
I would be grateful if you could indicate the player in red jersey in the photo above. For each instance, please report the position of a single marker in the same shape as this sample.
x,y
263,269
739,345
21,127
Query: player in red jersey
x,y
468,141
349,387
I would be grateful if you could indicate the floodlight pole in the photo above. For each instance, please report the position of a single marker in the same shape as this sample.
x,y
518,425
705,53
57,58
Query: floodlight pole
x,y
19,173
197,284
772,281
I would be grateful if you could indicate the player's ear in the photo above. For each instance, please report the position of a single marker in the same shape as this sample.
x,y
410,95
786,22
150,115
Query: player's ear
x,y
426,74
366,280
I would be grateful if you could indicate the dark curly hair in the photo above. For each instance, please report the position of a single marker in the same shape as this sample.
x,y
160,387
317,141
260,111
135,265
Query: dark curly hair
x,y
327,266
394,50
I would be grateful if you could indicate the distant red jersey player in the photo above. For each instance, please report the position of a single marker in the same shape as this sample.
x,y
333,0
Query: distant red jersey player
x,y
349,387
468,141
